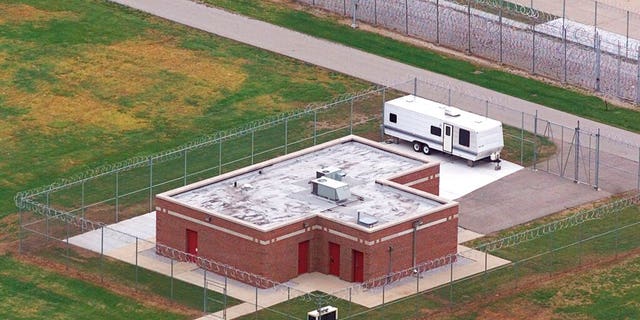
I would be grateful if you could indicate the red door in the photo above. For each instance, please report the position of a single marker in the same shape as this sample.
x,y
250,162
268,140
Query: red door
x,y
334,259
303,257
192,243
358,266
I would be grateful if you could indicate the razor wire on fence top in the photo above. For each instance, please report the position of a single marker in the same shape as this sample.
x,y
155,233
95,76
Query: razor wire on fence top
x,y
568,222
555,45
52,203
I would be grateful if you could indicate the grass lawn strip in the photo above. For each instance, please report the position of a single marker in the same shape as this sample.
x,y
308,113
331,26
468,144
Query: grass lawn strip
x,y
328,27
86,83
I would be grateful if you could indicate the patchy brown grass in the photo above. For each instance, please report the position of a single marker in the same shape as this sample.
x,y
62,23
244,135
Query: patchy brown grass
x,y
16,13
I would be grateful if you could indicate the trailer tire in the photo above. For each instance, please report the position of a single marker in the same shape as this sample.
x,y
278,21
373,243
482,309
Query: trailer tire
x,y
471,163
426,149
417,146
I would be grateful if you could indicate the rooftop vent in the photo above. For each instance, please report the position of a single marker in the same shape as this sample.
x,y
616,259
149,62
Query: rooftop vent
x,y
331,173
452,112
331,189
366,220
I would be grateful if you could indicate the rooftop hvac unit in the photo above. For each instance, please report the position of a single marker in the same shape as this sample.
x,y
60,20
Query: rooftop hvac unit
x,y
366,220
331,173
325,313
331,189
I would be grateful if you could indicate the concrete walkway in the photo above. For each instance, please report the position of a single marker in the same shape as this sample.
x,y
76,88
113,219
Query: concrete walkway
x,y
138,248
346,60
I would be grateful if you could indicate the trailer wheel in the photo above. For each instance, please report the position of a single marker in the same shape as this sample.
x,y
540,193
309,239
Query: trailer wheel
x,y
417,146
426,149
471,163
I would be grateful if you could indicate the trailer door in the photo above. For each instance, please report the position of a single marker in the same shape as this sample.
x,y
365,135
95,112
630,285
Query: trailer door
x,y
447,139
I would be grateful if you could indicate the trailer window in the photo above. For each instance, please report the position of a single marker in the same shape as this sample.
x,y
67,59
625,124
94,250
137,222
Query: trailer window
x,y
463,138
393,117
436,131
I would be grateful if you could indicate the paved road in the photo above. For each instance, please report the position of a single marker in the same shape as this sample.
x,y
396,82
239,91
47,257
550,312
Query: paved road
x,y
347,60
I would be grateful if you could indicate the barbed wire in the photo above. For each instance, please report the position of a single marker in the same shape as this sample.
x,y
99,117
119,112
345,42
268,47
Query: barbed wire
x,y
555,226
178,152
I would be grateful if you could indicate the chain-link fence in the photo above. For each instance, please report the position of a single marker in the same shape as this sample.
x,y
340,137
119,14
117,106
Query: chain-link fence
x,y
73,222
596,48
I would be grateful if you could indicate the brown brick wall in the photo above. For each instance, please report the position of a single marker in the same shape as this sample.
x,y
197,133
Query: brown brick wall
x,y
278,260
431,176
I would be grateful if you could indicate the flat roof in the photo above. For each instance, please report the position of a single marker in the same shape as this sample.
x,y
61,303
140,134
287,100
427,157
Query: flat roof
x,y
278,192
435,109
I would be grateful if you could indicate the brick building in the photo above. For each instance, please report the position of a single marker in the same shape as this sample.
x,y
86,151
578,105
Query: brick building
x,y
351,207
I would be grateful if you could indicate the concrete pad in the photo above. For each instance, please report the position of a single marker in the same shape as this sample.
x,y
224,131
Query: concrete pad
x,y
118,235
519,198
456,177
118,246
465,235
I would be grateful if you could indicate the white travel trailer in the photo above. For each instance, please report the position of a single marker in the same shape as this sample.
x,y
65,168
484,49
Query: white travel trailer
x,y
430,125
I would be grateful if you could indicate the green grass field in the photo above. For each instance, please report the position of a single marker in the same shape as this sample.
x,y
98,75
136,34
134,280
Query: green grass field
x,y
565,281
329,28
28,292
87,83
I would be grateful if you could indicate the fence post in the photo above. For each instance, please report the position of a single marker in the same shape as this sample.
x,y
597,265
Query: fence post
x,y
626,51
344,7
117,196
171,288
415,86
46,230
617,232
256,303
315,127
253,137
500,26
375,12
224,311
437,21
486,108
595,22
220,157
533,47
67,229
522,138
535,140
551,251
449,102
354,22
469,27
598,57
136,261
184,173
204,292
564,13
638,185
82,202
576,171
406,16
618,93
638,78
150,184
597,164
561,150
21,230
351,116
564,59
486,268
451,282
101,253
286,135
